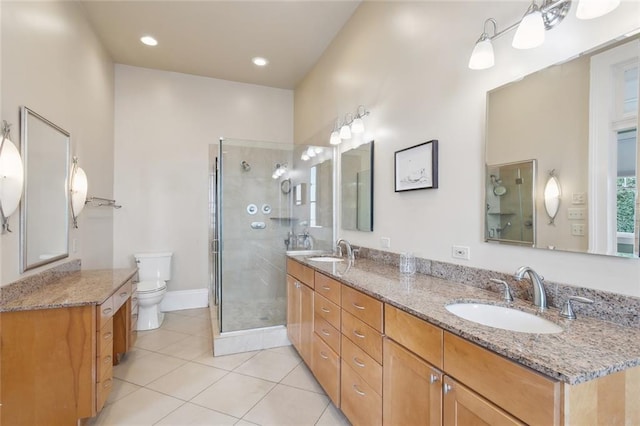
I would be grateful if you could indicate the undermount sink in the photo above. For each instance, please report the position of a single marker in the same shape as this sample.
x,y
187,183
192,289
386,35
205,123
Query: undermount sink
x,y
325,259
504,318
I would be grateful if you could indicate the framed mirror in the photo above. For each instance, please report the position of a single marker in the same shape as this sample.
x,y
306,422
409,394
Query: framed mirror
x,y
578,120
357,188
44,213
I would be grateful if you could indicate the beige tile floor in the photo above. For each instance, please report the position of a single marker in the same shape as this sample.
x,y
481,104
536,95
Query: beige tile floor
x,y
171,378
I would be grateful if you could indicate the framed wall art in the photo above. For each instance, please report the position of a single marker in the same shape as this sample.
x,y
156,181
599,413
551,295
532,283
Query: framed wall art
x,y
417,167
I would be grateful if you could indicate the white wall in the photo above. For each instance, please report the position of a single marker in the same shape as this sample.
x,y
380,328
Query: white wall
x,y
164,123
407,63
53,63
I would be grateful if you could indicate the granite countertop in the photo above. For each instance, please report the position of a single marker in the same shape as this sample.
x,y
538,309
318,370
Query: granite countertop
x,y
587,348
80,288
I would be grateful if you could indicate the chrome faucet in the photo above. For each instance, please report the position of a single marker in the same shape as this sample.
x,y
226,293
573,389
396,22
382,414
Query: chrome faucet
x,y
539,295
346,243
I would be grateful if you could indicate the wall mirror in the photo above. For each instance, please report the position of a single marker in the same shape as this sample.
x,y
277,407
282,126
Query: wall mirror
x,y
44,213
579,120
357,188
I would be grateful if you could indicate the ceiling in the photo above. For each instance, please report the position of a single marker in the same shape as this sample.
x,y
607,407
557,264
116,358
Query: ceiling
x,y
219,38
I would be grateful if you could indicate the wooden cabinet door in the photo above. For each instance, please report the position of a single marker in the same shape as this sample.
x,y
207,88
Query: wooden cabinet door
x,y
293,311
463,407
411,388
306,323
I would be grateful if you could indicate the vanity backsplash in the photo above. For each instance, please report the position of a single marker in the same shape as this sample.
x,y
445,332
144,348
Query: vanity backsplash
x,y
613,307
34,282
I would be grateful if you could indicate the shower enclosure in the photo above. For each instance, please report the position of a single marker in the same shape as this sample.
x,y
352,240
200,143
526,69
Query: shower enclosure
x,y
250,218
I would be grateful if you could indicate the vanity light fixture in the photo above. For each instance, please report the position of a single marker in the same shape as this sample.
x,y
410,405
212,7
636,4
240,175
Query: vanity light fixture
x,y
552,194
78,190
148,40
11,177
530,30
350,126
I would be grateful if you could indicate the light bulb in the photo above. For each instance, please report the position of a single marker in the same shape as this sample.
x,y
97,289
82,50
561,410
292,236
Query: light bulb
x,y
530,32
589,9
79,187
357,126
311,152
482,56
335,138
304,157
11,177
149,41
345,132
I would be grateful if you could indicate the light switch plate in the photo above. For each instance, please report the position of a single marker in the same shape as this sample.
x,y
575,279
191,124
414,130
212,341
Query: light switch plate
x,y
576,213
385,242
461,252
577,229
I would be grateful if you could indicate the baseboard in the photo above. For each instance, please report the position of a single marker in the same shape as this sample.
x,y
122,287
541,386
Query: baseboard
x,y
185,299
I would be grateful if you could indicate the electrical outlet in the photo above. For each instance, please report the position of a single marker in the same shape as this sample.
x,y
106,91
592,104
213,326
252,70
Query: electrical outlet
x,y
576,213
385,242
461,252
577,229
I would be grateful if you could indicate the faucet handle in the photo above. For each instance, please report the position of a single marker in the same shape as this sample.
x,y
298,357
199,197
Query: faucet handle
x,y
507,290
567,309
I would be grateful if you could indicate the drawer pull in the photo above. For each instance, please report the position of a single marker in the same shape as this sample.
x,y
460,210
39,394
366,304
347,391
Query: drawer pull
x,y
326,288
358,391
297,284
358,335
124,294
358,362
107,359
325,310
107,311
355,305
325,332
433,378
108,335
323,355
447,388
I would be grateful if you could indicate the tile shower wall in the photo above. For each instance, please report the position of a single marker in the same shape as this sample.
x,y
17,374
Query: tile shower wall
x,y
253,266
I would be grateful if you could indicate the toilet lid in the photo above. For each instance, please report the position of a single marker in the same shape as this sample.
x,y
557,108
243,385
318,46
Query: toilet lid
x,y
147,286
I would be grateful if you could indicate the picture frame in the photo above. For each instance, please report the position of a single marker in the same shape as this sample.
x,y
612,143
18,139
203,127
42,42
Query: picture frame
x,y
416,167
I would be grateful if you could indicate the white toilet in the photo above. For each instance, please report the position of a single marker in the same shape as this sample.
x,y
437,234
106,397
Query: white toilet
x,y
153,270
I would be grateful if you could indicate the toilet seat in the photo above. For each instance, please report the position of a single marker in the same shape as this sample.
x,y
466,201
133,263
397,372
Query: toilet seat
x,y
151,286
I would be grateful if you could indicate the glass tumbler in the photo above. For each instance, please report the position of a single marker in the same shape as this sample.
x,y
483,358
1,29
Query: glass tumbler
x,y
407,264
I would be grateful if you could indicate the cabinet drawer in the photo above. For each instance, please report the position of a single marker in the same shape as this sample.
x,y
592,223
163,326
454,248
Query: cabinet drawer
x,y
363,307
102,393
327,310
329,334
325,365
105,337
104,367
121,296
300,272
528,395
359,402
104,312
328,287
363,336
365,366
420,337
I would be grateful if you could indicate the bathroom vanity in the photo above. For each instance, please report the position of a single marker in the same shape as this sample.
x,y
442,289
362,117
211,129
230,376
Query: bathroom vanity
x,y
387,351
60,340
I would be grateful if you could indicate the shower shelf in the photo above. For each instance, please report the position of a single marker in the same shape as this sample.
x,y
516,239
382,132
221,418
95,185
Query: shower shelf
x,y
501,214
284,218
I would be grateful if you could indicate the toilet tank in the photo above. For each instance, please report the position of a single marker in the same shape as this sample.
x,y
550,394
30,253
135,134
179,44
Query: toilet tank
x,y
154,266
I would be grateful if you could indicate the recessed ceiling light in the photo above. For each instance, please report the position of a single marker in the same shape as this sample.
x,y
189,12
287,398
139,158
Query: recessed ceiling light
x,y
261,62
149,41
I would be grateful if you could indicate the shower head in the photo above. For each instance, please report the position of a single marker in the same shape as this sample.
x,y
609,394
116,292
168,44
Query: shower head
x,y
245,166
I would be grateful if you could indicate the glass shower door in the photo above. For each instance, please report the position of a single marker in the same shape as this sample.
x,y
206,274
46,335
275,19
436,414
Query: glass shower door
x,y
253,219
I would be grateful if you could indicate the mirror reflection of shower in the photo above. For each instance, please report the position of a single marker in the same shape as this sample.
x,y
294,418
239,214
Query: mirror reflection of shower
x,y
510,204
